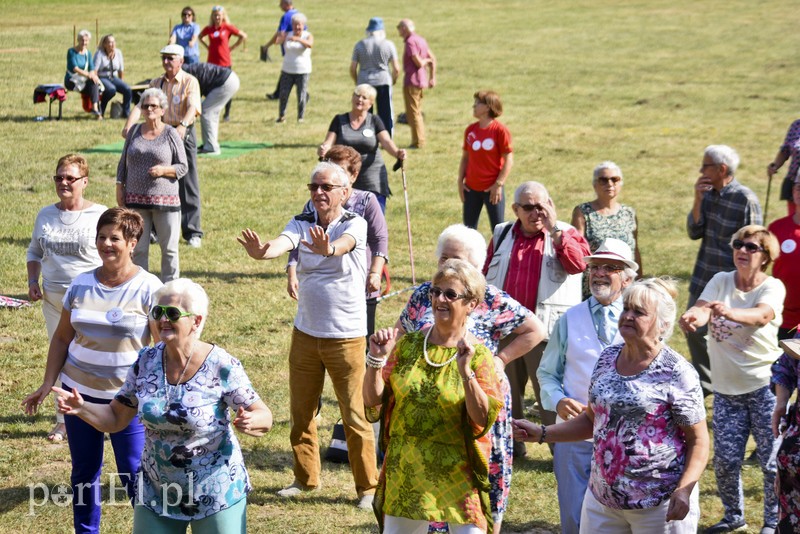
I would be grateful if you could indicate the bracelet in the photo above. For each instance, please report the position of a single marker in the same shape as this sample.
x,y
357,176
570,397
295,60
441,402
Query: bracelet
x,y
31,282
375,362
333,252
544,434
469,377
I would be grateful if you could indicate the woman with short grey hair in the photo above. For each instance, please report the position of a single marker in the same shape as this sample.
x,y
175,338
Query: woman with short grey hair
x,y
81,74
152,162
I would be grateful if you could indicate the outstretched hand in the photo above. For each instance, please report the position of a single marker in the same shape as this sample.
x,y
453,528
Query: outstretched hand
x,y
69,403
252,244
320,242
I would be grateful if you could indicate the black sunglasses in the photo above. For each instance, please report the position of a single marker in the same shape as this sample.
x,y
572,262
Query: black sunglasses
x,y
527,208
752,248
450,295
325,187
173,313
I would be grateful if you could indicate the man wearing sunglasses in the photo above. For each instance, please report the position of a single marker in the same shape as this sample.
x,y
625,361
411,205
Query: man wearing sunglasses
x,y
538,260
721,206
329,329
183,91
577,340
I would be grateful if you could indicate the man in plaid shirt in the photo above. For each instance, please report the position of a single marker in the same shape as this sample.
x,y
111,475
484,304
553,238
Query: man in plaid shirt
x,y
721,206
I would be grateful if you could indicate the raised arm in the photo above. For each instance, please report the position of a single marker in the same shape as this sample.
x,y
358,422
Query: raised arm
x,y
257,250
109,418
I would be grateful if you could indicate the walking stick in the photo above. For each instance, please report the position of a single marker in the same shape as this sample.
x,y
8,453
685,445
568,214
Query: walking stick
x,y
400,164
766,204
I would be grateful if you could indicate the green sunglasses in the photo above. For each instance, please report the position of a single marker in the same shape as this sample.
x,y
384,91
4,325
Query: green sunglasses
x,y
173,313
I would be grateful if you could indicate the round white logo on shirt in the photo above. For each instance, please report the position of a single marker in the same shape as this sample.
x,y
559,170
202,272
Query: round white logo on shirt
x,y
368,132
476,145
114,315
488,144
788,246
216,34
176,99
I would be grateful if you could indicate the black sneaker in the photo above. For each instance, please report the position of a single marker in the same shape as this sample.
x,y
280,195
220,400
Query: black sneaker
x,y
273,96
726,526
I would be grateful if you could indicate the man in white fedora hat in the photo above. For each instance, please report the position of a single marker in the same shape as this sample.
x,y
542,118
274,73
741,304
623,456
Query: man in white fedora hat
x,y
577,340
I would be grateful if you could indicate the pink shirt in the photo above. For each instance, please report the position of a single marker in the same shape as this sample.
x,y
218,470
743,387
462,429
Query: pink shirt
x,y
415,76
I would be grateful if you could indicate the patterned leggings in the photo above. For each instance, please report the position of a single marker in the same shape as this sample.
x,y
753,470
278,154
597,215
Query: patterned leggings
x,y
735,417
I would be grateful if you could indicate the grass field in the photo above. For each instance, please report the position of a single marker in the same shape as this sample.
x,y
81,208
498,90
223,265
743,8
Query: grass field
x,y
647,84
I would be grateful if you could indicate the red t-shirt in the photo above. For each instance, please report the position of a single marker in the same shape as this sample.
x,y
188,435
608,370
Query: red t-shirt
x,y
219,53
787,268
485,148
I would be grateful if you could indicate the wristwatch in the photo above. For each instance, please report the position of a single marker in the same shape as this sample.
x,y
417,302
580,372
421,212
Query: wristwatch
x,y
184,124
556,228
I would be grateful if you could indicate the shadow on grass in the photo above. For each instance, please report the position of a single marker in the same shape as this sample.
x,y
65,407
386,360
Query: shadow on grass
x,y
15,241
531,527
10,498
294,145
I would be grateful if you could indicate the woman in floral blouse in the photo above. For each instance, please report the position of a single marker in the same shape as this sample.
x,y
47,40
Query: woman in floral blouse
x,y
183,390
440,396
648,420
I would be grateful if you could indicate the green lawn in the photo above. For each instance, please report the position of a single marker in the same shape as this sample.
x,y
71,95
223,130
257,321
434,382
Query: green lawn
x,y
646,84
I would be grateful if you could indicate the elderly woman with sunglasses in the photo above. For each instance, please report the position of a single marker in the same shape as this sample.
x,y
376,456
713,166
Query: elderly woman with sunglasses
x,y
496,316
330,328
153,160
183,390
103,327
440,395
187,34
604,216
743,311
62,247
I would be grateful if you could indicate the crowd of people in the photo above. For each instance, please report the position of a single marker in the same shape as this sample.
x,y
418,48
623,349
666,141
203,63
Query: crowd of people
x,y
563,305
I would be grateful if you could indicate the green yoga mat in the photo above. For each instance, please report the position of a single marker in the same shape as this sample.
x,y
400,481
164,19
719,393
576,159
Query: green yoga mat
x,y
230,149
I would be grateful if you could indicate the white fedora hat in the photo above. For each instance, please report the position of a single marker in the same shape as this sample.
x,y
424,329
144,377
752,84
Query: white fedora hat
x,y
614,249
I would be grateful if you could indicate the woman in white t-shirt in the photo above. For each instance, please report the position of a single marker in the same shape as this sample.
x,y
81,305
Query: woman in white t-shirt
x,y
62,247
296,67
743,309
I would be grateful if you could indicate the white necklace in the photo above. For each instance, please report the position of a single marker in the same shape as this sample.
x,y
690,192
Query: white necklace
x,y
73,221
169,389
425,352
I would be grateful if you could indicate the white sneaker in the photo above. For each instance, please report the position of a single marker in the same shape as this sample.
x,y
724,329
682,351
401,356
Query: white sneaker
x,y
365,502
195,242
293,490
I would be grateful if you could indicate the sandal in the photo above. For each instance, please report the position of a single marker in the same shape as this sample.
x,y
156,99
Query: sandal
x,y
58,434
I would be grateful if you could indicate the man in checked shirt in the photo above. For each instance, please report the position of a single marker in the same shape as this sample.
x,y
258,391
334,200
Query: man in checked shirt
x,y
721,206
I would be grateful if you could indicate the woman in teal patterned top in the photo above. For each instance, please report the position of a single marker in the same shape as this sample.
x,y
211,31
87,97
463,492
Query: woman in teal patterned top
x,y
604,216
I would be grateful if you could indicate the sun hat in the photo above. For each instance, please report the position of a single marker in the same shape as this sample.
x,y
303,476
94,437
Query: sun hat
x,y
375,24
614,249
172,50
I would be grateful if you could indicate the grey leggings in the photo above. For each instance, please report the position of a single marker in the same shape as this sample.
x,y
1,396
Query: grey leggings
x,y
285,84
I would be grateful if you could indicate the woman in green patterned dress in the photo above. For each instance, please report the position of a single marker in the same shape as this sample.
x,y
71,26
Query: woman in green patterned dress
x,y
439,396
604,216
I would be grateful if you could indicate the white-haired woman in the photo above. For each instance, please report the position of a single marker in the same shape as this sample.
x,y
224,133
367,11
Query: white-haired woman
x,y
373,57
440,394
648,421
366,133
742,309
184,390
604,216
495,317
153,160
296,68
81,75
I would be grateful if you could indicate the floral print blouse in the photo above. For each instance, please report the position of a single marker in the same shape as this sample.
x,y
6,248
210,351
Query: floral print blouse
x,y
639,447
189,441
494,318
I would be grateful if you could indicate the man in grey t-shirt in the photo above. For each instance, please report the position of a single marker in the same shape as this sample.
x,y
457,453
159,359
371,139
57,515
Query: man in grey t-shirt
x,y
373,56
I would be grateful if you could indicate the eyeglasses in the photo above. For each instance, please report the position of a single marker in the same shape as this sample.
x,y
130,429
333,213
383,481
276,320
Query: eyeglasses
x,y
325,187
704,165
527,208
752,248
173,314
609,179
148,107
450,295
58,178
607,267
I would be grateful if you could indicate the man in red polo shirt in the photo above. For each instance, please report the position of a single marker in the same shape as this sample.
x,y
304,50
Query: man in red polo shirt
x,y
538,260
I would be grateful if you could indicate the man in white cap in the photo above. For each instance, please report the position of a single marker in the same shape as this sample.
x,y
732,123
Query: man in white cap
x,y
373,56
577,340
183,94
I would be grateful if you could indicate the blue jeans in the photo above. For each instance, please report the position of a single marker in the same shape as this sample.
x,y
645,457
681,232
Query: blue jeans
x,y
112,87
735,417
572,464
86,450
